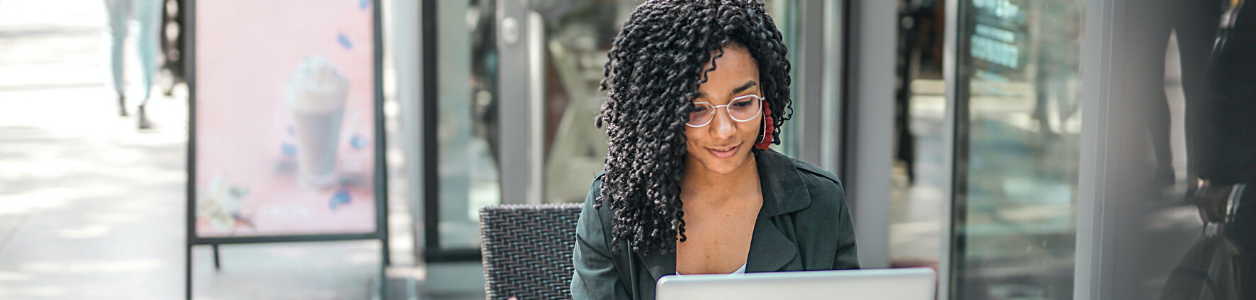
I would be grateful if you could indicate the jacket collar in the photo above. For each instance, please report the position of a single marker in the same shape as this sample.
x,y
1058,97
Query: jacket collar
x,y
770,250
783,189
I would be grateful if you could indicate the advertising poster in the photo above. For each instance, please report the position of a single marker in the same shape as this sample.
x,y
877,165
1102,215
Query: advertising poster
x,y
285,118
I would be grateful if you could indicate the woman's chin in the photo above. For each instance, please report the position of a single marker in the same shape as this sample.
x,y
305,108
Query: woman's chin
x,y
724,165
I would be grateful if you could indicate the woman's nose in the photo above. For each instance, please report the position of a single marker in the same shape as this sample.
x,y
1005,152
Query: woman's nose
x,y
723,125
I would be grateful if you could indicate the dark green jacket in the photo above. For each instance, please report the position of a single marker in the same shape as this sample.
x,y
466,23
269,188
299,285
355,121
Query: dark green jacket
x,y
803,225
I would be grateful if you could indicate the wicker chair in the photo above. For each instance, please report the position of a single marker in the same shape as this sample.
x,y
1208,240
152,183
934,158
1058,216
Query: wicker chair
x,y
527,250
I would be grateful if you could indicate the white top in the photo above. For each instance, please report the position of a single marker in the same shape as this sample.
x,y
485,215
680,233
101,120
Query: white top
x,y
741,270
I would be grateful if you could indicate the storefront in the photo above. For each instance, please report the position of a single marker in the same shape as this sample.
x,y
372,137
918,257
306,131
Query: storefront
x,y
1003,142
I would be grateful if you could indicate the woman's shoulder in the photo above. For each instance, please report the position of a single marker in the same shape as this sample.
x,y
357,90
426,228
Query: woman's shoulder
x,y
824,187
814,177
815,173
601,214
595,189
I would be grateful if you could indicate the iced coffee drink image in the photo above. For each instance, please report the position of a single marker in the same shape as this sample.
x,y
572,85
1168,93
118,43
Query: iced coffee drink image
x,y
316,97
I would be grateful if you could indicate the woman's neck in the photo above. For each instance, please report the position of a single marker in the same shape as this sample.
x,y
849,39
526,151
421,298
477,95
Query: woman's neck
x,y
708,185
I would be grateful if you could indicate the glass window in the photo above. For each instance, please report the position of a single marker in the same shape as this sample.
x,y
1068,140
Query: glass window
x,y
785,14
918,174
1180,148
1017,149
466,130
578,36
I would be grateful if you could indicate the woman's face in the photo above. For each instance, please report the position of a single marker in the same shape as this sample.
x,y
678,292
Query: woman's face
x,y
724,144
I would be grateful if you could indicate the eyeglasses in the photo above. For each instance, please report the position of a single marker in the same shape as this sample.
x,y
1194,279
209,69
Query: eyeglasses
x,y
741,109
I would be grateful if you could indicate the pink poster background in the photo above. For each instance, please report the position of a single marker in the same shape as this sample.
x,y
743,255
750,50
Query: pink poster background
x,y
246,169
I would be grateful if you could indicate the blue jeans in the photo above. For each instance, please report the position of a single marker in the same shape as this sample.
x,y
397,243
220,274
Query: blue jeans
x,y
147,16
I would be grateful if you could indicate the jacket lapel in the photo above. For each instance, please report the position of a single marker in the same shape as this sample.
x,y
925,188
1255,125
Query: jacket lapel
x,y
770,250
783,189
783,192
659,264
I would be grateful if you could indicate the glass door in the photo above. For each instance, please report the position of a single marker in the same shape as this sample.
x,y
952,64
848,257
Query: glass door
x,y
460,124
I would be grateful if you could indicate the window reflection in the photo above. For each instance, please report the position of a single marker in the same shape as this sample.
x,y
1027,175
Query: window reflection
x,y
1195,229
1017,165
467,123
578,35
918,173
1220,137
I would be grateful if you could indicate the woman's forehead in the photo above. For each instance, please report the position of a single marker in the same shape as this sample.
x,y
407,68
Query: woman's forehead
x,y
735,72
734,54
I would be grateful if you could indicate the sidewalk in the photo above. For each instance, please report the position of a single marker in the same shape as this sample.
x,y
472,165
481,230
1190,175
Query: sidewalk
x,y
92,208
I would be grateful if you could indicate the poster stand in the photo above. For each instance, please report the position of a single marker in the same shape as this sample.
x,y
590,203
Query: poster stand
x,y
380,174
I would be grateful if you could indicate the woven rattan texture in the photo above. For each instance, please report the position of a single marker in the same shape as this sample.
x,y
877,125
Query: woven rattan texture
x,y
527,250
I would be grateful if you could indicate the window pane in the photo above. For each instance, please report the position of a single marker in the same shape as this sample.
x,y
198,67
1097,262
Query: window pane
x,y
467,129
1018,159
1181,149
784,14
917,195
577,38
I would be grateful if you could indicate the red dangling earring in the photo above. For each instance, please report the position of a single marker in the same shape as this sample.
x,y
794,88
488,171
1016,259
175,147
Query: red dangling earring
x,y
766,140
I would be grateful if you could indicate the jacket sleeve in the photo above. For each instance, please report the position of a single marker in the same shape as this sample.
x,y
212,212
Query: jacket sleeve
x,y
847,256
596,276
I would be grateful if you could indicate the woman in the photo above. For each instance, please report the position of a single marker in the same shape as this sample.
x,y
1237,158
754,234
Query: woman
x,y
697,89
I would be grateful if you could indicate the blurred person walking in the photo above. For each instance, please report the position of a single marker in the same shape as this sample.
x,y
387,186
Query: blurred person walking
x,y
1220,136
147,15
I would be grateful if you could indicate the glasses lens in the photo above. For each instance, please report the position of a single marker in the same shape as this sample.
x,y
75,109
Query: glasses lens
x,y
700,113
745,108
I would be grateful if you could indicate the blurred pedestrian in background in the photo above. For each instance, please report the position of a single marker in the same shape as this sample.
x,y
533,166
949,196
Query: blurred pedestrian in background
x,y
1217,40
1221,134
147,16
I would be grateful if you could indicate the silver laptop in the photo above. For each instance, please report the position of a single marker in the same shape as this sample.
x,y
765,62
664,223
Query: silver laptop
x,y
880,284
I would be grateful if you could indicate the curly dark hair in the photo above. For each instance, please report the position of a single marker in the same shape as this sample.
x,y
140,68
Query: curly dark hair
x,y
655,68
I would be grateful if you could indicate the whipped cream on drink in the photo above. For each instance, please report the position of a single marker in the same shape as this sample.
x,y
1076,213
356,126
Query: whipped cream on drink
x,y
316,96
317,86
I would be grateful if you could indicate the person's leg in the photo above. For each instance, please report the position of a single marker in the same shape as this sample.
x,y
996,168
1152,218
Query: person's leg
x,y
148,14
115,37
1155,18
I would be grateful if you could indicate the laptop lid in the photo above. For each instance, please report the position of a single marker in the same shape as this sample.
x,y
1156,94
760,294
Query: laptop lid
x,y
879,284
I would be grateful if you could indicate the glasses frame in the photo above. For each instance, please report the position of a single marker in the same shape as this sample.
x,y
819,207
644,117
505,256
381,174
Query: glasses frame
x,y
730,112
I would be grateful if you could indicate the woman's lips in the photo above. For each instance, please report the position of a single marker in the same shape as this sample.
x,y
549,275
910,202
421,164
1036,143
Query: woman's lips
x,y
723,152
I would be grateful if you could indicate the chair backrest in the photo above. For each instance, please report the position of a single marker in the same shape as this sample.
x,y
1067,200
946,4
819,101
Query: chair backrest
x,y
527,250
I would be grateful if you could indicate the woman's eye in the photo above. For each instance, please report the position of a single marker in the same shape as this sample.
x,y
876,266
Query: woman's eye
x,y
742,103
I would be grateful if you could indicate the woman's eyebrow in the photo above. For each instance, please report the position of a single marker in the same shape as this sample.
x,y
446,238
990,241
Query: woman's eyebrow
x,y
739,89
743,87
